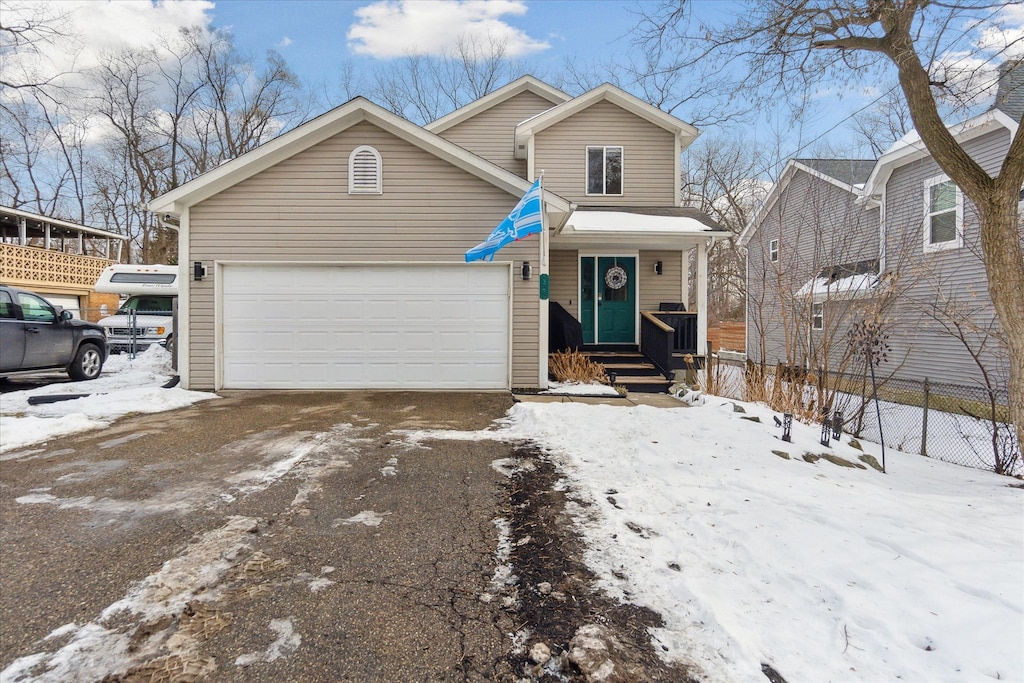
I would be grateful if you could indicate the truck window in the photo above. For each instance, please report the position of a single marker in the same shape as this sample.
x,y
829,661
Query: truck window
x,y
147,304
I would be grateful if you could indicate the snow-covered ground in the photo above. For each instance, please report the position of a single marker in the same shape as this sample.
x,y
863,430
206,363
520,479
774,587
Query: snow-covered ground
x,y
824,572
125,386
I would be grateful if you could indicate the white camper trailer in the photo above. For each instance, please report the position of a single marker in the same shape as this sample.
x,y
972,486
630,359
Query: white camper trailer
x,y
147,317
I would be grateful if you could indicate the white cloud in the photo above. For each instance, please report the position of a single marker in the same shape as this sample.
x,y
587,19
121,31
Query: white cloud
x,y
285,42
1006,34
395,28
89,29
971,75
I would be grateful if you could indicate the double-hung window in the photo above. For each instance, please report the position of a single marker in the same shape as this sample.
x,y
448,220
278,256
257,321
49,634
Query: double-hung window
x,y
604,170
773,251
818,315
944,215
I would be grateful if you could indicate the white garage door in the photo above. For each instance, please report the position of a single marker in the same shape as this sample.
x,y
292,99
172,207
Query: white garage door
x,y
68,303
365,327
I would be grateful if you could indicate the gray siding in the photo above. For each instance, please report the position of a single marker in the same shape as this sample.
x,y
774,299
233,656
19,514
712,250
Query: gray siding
x,y
490,134
817,225
917,335
300,210
648,175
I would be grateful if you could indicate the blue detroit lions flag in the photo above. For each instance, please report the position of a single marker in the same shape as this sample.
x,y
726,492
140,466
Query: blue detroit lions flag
x,y
525,220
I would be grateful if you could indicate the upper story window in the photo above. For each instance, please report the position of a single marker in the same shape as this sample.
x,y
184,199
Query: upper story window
x,y
944,215
364,171
604,170
773,251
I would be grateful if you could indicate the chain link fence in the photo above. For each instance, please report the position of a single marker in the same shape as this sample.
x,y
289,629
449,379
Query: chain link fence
x,y
962,424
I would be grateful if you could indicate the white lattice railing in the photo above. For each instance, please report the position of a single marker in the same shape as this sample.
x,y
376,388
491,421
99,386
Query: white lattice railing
x,y
26,266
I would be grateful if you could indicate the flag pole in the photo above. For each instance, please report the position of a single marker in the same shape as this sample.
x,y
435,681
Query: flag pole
x,y
543,312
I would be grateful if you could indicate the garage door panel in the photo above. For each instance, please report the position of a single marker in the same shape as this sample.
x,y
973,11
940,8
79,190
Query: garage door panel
x,y
295,326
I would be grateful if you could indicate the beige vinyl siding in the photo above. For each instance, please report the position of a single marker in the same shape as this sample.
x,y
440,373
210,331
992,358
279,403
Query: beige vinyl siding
x,y
648,157
916,338
565,269
300,210
654,288
490,134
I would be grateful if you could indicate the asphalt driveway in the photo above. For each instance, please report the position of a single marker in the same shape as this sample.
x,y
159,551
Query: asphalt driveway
x,y
258,537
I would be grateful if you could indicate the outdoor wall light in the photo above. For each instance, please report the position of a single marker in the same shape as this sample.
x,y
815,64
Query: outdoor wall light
x,y
657,267
198,270
526,270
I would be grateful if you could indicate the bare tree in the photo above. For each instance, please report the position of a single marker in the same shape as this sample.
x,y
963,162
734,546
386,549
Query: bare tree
x,y
884,123
719,178
24,27
424,88
790,45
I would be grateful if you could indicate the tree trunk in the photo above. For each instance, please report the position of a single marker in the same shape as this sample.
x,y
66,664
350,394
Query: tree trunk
x,y
1004,268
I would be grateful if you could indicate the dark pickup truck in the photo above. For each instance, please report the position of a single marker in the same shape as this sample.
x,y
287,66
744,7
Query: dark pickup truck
x,y
34,335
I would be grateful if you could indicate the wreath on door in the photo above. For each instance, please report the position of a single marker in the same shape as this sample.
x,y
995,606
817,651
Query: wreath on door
x,y
615,277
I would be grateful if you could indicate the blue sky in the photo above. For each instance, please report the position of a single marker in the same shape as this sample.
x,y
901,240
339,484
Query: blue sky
x,y
312,35
318,38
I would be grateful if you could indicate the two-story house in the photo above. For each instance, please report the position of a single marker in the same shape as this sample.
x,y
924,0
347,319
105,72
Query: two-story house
x,y
333,256
895,238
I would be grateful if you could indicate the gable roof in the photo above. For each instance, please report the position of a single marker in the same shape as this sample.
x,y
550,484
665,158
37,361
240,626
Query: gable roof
x,y
910,148
606,93
846,174
850,172
325,126
516,87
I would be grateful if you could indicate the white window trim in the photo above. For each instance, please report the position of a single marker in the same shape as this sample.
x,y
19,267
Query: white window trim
x,y
958,241
378,188
604,170
818,316
773,250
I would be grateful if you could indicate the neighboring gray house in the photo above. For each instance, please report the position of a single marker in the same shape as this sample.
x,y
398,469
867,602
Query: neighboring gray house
x,y
334,254
892,240
812,248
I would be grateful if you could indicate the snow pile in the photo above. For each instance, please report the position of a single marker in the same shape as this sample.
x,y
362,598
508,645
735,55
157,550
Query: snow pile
x,y
580,389
851,285
126,386
753,555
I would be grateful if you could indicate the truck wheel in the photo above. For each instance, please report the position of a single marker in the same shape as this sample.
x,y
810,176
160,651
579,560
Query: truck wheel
x,y
87,364
170,346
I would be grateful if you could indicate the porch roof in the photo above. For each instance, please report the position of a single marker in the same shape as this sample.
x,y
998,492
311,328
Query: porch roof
x,y
644,225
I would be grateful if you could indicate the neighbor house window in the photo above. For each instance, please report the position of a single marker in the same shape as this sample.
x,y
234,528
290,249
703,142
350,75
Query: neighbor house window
x,y
944,215
364,171
818,316
773,251
604,170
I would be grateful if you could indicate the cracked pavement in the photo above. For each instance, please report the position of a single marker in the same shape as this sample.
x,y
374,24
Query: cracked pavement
x,y
258,537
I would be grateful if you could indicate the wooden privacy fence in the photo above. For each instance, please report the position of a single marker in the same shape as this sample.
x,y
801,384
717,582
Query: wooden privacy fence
x,y
728,336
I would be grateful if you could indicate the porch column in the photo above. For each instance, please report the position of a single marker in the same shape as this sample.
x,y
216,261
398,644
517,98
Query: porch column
x,y
702,298
46,237
684,295
23,232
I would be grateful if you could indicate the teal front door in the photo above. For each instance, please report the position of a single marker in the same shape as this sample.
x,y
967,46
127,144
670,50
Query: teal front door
x,y
608,299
